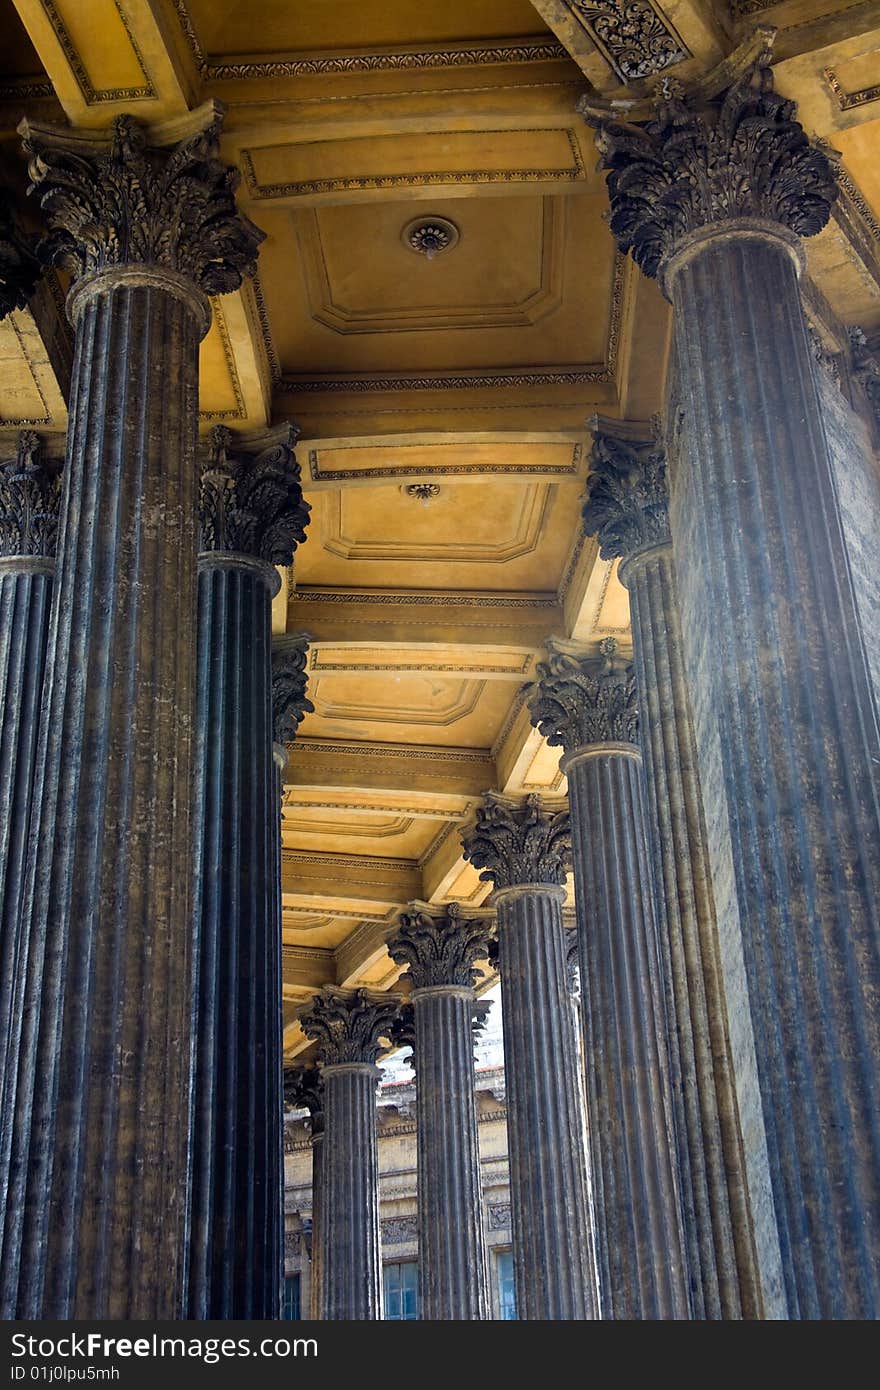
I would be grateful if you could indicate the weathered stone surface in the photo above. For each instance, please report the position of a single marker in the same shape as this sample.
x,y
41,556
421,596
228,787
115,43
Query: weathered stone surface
x,y
580,702
517,842
19,267
304,1090
250,500
290,678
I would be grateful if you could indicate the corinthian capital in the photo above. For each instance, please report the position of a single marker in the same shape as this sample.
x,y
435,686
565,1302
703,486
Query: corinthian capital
x,y
303,1090
250,498
627,502
112,198
30,501
706,159
582,701
348,1024
519,842
19,267
440,948
289,681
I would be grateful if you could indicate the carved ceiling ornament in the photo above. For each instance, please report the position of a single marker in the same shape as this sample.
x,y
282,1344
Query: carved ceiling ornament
x,y
127,203
581,700
251,503
627,501
519,842
348,1024
19,267
289,682
30,501
635,38
439,948
701,162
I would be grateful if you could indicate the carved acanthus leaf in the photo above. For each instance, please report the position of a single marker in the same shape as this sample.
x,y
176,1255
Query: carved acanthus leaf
x,y
743,155
519,842
866,369
19,267
581,701
627,502
251,501
304,1090
439,948
289,681
348,1024
131,204
30,501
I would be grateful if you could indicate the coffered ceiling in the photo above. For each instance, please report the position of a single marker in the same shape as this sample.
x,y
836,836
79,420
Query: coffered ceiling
x,y
443,398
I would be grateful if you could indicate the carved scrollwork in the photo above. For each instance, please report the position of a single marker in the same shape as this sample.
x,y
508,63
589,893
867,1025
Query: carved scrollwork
x,y
627,502
130,204
251,501
633,35
304,1090
348,1024
30,501
580,701
440,949
289,681
519,842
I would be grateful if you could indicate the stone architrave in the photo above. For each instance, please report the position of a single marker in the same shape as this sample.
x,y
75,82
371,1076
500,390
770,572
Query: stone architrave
x,y
252,518
627,508
348,1026
524,850
589,707
95,1191
440,950
713,195
303,1091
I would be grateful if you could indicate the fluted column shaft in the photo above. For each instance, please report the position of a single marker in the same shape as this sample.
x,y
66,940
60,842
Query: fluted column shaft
x,y
551,1234
639,1238
94,1212
452,1253
237,1214
788,747
714,1182
350,1197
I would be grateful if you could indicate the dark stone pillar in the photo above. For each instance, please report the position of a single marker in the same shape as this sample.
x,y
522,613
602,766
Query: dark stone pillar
x,y
95,1214
252,518
348,1025
524,849
30,496
640,1255
303,1091
627,507
714,196
440,951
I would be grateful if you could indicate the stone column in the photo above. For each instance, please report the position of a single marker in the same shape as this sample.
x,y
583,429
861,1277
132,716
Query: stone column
x,y
95,1218
252,518
627,508
640,1254
524,849
440,950
348,1025
713,196
303,1091
30,496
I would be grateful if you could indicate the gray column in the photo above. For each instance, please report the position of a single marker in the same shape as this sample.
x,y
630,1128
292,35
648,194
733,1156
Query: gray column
x,y
785,719
440,950
95,1209
524,849
640,1255
304,1091
348,1026
627,507
252,518
30,496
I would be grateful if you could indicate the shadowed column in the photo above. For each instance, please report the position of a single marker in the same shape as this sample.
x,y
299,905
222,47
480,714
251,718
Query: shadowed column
x,y
95,1215
348,1026
714,196
640,1256
440,950
303,1091
252,518
627,508
524,849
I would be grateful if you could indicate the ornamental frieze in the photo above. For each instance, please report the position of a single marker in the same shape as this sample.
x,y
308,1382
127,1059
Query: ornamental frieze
x,y
633,35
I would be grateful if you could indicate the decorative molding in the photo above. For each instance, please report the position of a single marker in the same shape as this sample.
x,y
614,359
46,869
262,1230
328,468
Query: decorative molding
x,y
500,1218
92,95
441,837
510,718
627,501
25,89
240,411
634,36
413,812
519,842
421,598
856,198
577,550
537,51
463,703
847,100
456,470
266,328
426,179
189,33
398,1229
30,501
250,499
318,746
478,668
580,701
440,948
365,862
357,830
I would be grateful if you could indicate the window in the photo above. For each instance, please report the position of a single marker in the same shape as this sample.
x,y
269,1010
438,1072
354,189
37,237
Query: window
x,y
401,1283
290,1300
506,1290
